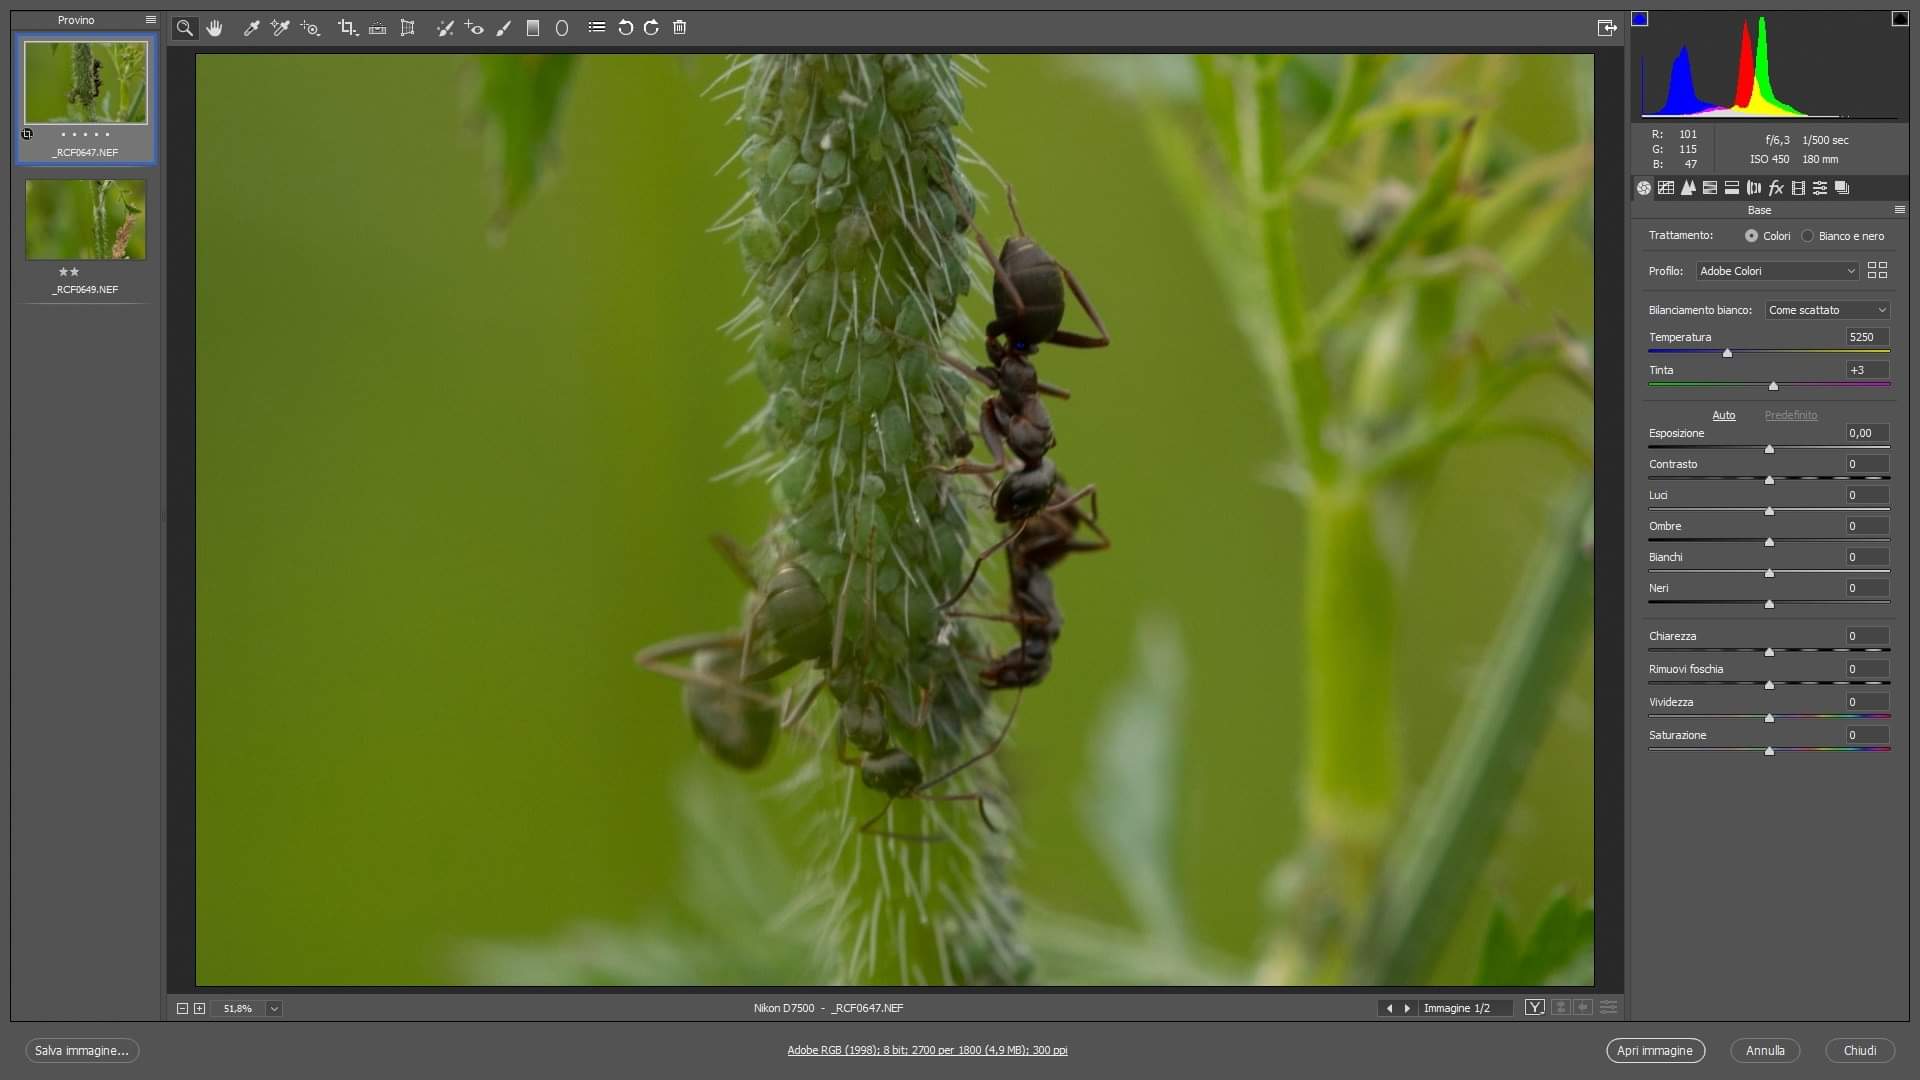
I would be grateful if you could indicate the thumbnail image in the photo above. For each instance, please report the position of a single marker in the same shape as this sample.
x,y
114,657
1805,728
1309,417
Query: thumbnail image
x,y
86,219
95,81
894,519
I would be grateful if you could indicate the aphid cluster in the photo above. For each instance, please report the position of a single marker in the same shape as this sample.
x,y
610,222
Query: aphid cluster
x,y
791,620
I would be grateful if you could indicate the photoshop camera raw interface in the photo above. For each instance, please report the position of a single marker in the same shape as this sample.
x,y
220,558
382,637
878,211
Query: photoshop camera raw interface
x,y
564,542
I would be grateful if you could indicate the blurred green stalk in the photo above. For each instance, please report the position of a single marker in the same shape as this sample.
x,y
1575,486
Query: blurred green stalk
x,y
851,235
1352,449
102,236
1353,768
85,89
1450,831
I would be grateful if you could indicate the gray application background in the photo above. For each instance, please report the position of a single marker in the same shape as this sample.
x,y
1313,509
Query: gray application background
x,y
1736,924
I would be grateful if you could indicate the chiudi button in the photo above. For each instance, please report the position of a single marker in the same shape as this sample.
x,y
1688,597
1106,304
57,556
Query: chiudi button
x,y
1656,1051
1856,1050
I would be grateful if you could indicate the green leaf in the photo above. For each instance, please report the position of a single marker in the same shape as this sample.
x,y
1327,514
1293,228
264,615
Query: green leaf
x,y
518,106
1500,954
1435,861
734,921
1426,213
1557,951
1069,951
1131,808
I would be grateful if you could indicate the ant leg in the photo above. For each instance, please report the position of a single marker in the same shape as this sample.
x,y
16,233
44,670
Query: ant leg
x,y
746,643
977,563
681,646
1092,521
788,719
840,747
1088,493
1000,275
711,682
1081,341
736,557
983,376
980,238
867,826
1053,391
977,798
773,670
991,433
979,757
1090,546
998,616
653,658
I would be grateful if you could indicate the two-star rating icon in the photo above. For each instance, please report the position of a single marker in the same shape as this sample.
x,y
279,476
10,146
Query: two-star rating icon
x,y
69,271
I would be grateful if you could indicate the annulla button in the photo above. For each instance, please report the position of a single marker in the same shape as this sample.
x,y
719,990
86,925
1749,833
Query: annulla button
x,y
1762,1049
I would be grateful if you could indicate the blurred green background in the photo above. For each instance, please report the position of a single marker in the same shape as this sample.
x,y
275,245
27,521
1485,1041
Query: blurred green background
x,y
60,223
446,488
49,80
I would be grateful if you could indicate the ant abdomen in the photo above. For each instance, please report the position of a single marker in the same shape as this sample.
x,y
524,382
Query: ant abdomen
x,y
893,773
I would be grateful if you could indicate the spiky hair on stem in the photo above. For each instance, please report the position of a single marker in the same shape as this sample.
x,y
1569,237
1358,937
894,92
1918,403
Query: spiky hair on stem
x,y
851,231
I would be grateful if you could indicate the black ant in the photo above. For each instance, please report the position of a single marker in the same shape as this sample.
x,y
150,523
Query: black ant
x,y
1054,533
1012,417
866,706
792,610
1028,299
1040,622
1029,494
734,713
734,719
1029,302
1042,543
897,775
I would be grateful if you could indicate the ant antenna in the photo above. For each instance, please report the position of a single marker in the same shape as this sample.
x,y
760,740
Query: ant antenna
x,y
981,756
1014,209
981,561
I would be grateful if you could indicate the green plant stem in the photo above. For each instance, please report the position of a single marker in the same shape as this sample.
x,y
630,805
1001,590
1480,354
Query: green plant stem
x,y
851,235
1424,213
1302,366
1353,768
1351,455
84,91
1359,78
102,236
1451,829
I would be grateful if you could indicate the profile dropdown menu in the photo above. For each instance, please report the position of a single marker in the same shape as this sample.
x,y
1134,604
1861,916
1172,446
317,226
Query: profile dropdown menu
x,y
1782,270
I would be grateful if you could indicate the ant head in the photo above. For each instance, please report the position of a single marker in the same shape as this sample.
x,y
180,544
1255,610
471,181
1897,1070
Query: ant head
x,y
864,723
1016,372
